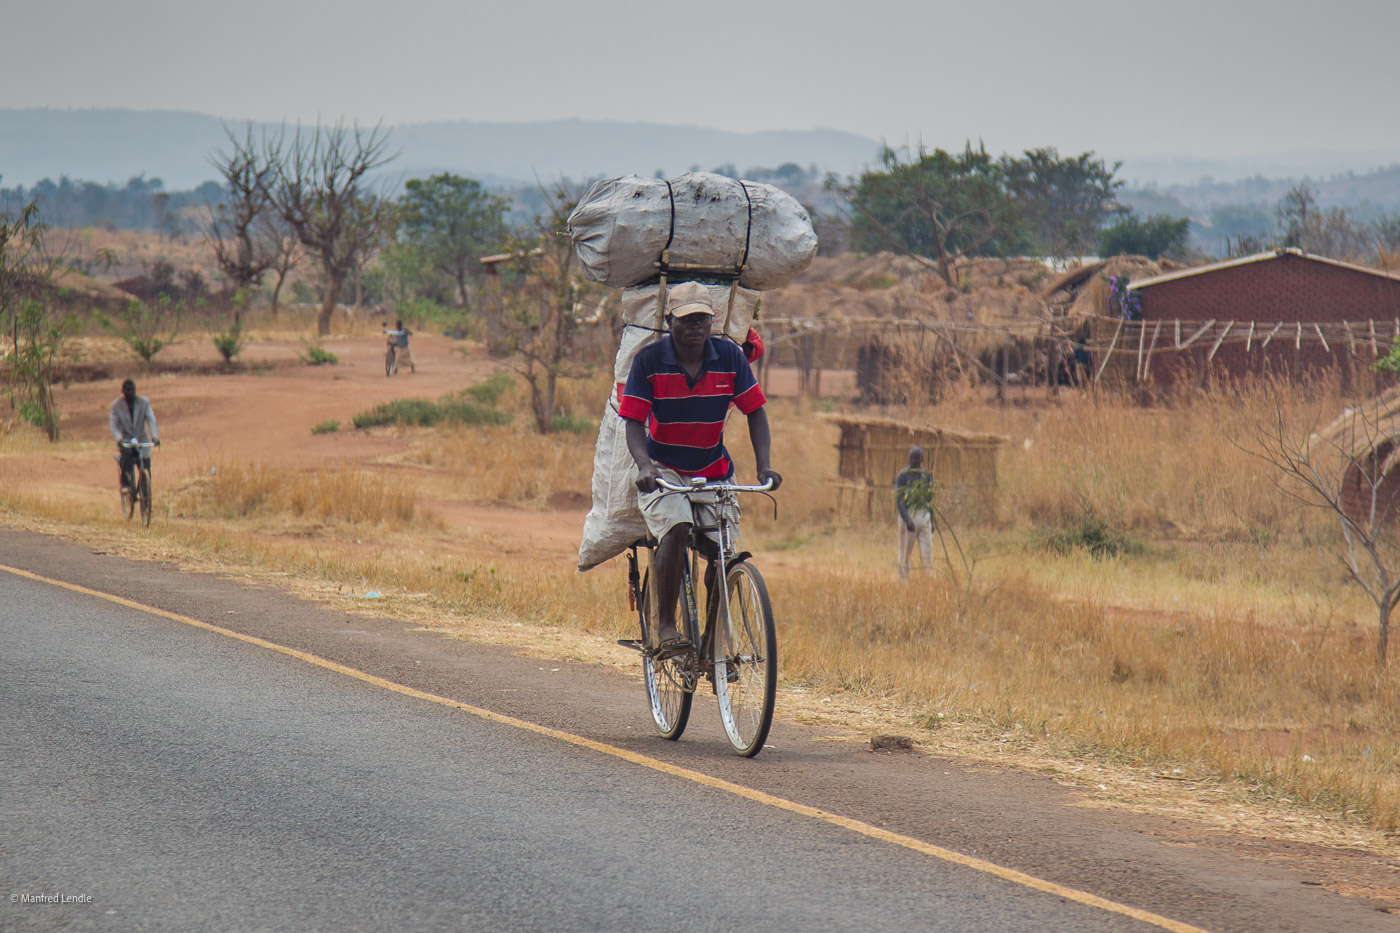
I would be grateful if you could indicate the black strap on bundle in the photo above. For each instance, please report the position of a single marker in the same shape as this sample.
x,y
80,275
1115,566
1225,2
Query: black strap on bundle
x,y
748,231
671,234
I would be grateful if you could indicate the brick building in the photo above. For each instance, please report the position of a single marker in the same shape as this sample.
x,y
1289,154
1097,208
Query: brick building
x,y
1284,312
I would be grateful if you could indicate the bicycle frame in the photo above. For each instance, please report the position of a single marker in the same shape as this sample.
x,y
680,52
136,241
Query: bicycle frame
x,y
725,496
134,474
737,650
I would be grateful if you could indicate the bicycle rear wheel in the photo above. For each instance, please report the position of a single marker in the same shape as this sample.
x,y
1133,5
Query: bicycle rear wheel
x,y
144,495
746,673
670,683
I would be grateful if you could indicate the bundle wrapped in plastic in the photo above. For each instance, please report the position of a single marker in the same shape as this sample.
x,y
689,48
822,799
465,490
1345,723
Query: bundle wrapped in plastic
x,y
622,226
615,520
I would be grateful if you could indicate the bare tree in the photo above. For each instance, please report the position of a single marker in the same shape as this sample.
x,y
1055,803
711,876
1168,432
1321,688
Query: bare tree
x,y
541,307
284,249
236,226
321,189
1349,470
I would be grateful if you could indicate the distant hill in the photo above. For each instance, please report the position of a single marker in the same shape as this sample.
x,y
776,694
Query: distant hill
x,y
115,145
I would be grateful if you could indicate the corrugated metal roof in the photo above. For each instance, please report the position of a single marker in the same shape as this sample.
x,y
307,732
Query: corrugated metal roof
x,y
1260,257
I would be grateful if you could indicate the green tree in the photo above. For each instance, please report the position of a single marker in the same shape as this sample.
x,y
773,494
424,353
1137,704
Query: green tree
x,y
38,335
1062,202
1239,220
936,207
148,328
452,222
1154,237
24,268
34,329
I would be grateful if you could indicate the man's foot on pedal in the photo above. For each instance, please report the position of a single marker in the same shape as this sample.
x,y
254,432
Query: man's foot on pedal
x,y
670,643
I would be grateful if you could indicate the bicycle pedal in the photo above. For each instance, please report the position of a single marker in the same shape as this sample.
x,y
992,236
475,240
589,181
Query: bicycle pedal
x,y
632,643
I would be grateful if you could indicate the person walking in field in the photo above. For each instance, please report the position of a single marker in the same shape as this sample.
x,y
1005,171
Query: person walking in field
x,y
675,401
399,338
913,497
132,418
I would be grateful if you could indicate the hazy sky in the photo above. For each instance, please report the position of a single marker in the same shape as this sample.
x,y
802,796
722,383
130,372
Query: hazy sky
x,y
1202,77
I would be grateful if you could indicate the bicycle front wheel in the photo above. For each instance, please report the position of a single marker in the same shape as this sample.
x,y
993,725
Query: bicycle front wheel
x,y
746,663
128,502
389,361
670,684
145,496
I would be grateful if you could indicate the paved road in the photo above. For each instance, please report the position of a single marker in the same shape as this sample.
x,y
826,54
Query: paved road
x,y
182,780
186,781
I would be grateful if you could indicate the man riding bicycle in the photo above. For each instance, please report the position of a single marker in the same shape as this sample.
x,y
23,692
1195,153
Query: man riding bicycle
x,y
676,399
132,419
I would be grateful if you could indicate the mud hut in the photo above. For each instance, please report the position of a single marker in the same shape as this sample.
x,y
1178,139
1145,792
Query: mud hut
x,y
1362,446
872,451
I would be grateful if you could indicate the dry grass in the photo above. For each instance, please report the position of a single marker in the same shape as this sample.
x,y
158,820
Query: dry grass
x,y
1222,697
231,490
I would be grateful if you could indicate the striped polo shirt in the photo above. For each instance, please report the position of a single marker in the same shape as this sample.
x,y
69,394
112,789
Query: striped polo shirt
x,y
685,420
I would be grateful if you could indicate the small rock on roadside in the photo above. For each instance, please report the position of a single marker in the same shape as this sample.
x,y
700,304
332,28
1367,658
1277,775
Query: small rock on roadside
x,y
891,743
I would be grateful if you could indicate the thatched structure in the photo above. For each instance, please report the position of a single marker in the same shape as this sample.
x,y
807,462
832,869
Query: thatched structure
x,y
864,312
1363,444
873,450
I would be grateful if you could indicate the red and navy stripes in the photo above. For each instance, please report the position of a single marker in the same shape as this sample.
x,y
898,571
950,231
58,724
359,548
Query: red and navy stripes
x,y
685,421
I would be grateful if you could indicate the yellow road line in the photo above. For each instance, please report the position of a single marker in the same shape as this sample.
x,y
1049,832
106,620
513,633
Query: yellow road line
x,y
757,796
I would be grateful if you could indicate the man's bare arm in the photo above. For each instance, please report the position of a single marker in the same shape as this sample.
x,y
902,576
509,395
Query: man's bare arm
x,y
762,440
637,447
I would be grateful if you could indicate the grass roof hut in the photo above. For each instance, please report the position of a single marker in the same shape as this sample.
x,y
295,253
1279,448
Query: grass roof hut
x,y
873,450
1079,302
890,316
1362,446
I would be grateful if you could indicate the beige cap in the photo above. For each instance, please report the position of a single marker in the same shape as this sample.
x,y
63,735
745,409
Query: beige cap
x,y
689,298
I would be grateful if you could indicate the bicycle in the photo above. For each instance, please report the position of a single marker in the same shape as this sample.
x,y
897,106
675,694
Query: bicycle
x,y
390,366
738,649
138,488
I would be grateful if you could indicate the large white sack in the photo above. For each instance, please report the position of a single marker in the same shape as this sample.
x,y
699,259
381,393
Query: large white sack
x,y
621,226
615,520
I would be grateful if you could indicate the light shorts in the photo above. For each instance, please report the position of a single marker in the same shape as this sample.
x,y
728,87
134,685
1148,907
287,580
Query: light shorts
x,y
663,509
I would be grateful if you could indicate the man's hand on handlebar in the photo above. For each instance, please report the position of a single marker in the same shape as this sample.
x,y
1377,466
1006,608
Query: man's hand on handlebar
x,y
646,478
768,473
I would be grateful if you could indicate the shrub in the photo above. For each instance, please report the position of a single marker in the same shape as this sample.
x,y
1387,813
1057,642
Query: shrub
x,y
575,424
326,427
410,411
317,355
1090,531
490,391
424,413
231,342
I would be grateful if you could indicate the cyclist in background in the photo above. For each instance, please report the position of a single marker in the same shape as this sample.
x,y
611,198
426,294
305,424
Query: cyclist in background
x,y
399,338
132,418
675,403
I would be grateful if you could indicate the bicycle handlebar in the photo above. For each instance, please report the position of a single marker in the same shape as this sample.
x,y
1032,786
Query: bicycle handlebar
x,y
766,486
136,443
